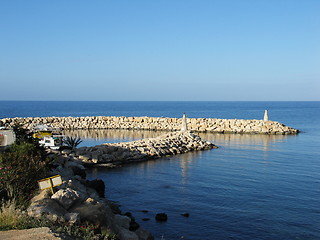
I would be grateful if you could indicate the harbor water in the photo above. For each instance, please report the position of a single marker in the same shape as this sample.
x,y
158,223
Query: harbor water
x,y
252,187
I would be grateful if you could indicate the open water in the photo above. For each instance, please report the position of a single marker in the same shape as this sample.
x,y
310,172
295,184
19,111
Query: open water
x,y
251,187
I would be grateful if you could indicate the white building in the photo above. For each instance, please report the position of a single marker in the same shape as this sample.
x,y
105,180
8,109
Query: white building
x,y
7,137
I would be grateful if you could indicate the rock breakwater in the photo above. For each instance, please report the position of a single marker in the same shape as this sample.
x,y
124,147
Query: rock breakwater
x,y
145,149
212,125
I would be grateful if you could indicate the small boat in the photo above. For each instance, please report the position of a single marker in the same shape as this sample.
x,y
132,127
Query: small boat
x,y
48,137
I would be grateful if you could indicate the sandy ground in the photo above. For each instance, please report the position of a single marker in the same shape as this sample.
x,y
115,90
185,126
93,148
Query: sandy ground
x,y
43,233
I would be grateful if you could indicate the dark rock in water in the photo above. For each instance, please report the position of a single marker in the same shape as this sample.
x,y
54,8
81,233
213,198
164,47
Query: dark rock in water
x,y
133,226
185,214
144,211
145,219
97,185
161,217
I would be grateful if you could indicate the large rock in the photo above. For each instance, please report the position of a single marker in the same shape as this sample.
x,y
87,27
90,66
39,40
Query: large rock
x,y
66,197
48,208
79,186
44,194
161,217
144,235
122,221
125,234
94,212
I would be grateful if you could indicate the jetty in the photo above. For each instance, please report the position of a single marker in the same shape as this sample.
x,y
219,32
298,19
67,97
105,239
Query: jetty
x,y
208,125
113,154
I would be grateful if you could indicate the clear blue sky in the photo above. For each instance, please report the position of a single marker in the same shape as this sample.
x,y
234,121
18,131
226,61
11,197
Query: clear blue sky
x,y
160,50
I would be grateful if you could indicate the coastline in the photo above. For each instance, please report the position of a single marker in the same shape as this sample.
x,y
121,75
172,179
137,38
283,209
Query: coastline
x,y
81,200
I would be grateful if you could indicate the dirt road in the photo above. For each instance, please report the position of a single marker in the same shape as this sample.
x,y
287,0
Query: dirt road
x,y
43,233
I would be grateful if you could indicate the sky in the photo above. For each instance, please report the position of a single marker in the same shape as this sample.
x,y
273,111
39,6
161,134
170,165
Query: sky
x,y
160,50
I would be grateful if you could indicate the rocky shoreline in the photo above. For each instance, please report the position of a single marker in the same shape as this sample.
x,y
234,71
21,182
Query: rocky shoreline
x,y
79,200
210,125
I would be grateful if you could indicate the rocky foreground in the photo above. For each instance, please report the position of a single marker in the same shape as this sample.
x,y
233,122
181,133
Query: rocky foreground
x,y
79,201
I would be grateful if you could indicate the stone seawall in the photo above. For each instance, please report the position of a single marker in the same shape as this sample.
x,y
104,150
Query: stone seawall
x,y
156,123
113,154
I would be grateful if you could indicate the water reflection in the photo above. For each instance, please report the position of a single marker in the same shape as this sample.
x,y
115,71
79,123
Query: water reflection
x,y
265,143
245,141
260,142
186,161
91,136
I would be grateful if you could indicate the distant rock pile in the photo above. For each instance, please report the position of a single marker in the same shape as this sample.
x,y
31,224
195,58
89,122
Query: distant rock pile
x,y
145,149
156,123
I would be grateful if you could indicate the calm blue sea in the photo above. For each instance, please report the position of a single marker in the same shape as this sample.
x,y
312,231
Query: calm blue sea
x,y
251,187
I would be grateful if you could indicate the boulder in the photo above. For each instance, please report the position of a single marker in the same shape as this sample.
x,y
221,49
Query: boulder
x,y
66,197
42,195
125,234
161,217
48,208
122,221
64,172
185,215
144,235
74,164
78,185
85,157
94,212
107,158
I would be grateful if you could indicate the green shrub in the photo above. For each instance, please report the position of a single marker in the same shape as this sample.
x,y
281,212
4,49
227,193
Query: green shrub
x,y
13,218
23,135
72,142
85,232
21,165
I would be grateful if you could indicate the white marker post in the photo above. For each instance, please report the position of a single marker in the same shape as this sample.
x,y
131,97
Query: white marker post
x,y
184,126
266,116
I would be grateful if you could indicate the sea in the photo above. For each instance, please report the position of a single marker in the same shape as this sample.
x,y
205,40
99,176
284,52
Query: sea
x,y
256,187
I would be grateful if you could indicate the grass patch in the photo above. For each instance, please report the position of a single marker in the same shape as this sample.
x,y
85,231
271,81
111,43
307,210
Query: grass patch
x,y
11,217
